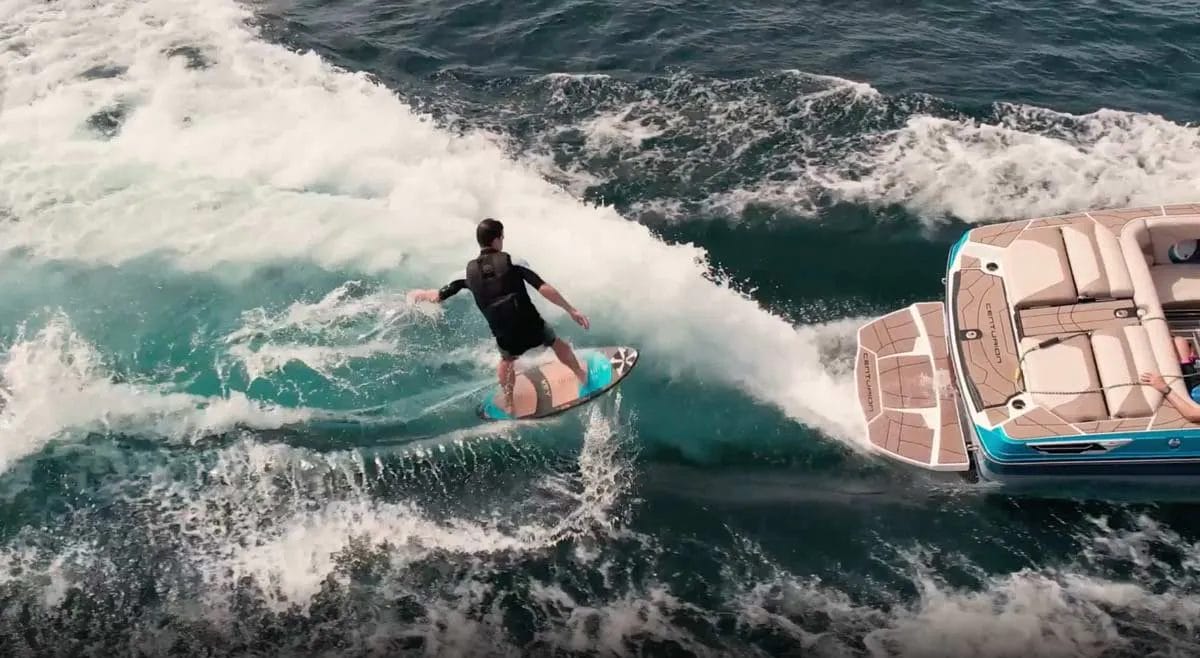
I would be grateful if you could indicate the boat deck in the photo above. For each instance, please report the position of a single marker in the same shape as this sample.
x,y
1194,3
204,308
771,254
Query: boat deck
x,y
1053,320
906,388
1082,294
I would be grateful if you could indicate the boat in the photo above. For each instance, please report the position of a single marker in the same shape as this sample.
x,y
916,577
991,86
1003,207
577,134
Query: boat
x,y
1028,370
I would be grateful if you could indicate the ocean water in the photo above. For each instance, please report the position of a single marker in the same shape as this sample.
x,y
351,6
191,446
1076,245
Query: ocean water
x,y
224,431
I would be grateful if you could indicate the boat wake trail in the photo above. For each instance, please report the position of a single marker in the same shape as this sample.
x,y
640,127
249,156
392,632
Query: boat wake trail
x,y
683,147
269,142
57,387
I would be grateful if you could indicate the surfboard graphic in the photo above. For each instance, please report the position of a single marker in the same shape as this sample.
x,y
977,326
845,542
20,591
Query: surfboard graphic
x,y
551,388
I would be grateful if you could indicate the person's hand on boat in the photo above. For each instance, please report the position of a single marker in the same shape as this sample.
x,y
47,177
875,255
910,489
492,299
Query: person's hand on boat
x,y
1156,380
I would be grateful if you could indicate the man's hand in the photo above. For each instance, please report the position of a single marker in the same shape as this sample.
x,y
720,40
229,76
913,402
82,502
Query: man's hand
x,y
1155,380
549,292
579,318
424,296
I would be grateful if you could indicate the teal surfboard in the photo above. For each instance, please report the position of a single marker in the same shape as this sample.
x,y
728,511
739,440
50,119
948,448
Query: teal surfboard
x,y
551,388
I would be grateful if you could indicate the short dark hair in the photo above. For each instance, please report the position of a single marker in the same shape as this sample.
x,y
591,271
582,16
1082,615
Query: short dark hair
x,y
487,231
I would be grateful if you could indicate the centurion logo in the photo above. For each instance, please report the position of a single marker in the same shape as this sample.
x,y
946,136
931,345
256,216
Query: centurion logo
x,y
991,316
866,369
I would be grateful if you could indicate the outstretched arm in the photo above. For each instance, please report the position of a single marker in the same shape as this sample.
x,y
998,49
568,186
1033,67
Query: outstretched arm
x,y
440,295
1185,406
551,293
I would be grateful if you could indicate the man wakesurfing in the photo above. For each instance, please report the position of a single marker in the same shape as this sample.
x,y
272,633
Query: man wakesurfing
x,y
498,285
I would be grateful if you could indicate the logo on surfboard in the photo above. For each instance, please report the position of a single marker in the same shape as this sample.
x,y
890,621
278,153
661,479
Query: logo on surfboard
x,y
622,360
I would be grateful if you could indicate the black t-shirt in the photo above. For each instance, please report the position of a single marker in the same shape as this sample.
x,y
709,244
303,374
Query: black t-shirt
x,y
498,286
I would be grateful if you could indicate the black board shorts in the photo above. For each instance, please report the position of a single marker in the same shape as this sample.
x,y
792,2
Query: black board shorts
x,y
511,348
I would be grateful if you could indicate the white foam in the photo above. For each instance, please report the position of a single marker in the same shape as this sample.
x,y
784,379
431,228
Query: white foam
x,y
15,561
611,129
1034,162
1074,609
47,571
722,120
1027,162
1023,614
611,626
340,307
274,535
55,384
345,325
797,196
324,359
267,154
288,520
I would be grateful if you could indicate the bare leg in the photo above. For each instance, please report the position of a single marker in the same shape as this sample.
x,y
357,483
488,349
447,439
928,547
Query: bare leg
x,y
1183,348
508,378
564,353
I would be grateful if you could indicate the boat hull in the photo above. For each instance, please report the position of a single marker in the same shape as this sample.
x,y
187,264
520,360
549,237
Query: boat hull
x,y
1138,470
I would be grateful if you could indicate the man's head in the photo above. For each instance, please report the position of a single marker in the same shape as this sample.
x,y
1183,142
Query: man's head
x,y
490,233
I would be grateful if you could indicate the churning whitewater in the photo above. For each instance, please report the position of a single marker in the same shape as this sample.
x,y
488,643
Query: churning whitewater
x,y
225,430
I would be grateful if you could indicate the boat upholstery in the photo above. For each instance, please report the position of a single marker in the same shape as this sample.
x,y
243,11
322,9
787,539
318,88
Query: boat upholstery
x,y
1063,378
1137,244
1177,284
1122,353
1081,261
1174,283
1038,271
1091,248
1164,232
1087,261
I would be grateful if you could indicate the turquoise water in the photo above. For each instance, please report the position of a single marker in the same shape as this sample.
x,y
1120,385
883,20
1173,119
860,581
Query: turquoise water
x,y
225,430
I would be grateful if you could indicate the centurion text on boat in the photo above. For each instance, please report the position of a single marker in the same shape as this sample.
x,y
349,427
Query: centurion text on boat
x,y
1030,368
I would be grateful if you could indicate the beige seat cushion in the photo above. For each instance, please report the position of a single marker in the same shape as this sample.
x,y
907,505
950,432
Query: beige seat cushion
x,y
1036,270
1113,261
1145,296
1083,256
1177,284
1122,353
1056,375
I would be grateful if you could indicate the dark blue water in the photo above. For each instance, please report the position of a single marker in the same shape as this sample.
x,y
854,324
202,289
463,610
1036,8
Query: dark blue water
x,y
224,431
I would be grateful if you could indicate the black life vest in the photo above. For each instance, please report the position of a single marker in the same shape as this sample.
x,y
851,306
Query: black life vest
x,y
500,294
